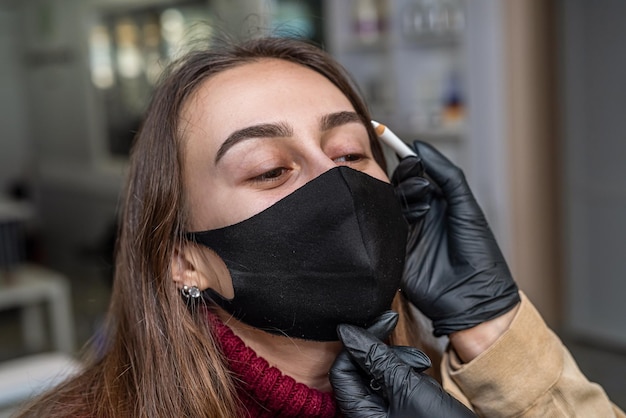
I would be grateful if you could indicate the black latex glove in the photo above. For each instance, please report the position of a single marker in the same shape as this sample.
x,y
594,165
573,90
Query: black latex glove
x,y
381,328
455,272
373,380
412,188
383,325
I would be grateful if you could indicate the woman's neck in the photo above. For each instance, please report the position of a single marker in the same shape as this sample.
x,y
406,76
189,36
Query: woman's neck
x,y
308,362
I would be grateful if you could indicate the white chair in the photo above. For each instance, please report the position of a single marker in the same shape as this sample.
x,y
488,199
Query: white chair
x,y
25,377
31,288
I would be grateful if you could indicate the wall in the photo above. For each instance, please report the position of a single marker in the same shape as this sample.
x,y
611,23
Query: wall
x,y
15,148
534,151
593,64
488,144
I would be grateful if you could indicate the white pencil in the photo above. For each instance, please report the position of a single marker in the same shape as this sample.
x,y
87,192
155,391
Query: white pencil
x,y
390,139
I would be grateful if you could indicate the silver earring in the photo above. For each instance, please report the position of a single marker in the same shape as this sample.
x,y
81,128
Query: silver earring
x,y
190,292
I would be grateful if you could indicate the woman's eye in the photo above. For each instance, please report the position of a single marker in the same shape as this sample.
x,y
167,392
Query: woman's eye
x,y
348,158
271,175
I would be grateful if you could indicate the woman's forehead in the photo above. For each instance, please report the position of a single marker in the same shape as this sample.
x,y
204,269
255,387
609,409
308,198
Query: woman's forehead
x,y
264,74
263,91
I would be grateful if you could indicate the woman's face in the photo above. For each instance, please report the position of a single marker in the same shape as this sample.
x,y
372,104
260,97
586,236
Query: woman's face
x,y
255,133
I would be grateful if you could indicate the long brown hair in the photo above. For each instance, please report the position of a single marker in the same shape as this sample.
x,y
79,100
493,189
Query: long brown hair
x,y
161,358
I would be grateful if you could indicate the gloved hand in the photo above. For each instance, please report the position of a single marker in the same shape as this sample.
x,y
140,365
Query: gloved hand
x,y
373,380
412,188
382,327
455,272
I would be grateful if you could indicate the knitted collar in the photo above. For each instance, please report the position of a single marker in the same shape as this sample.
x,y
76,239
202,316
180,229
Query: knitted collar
x,y
263,389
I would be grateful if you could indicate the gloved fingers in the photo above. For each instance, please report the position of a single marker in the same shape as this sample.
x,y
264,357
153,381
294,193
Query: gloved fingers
x,y
448,177
414,195
412,357
404,392
383,325
377,359
438,166
407,168
412,189
352,390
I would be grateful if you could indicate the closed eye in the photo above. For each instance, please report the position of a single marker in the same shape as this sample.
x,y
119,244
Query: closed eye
x,y
272,175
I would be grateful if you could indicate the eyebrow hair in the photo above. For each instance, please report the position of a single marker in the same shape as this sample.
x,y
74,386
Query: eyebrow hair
x,y
281,129
334,120
264,130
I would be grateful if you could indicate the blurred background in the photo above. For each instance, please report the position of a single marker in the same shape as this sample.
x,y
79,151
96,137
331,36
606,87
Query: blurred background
x,y
526,96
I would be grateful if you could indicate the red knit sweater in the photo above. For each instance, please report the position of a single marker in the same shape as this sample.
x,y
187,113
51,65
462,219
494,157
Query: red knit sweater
x,y
264,390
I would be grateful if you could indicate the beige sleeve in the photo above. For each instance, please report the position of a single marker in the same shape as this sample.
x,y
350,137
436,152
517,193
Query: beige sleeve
x,y
528,372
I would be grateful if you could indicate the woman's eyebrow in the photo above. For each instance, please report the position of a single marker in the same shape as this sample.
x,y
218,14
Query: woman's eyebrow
x,y
281,129
333,120
264,130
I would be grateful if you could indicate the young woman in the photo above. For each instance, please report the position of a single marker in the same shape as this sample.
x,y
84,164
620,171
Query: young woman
x,y
257,189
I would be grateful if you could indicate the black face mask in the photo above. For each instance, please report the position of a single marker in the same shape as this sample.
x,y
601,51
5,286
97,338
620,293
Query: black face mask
x,y
331,252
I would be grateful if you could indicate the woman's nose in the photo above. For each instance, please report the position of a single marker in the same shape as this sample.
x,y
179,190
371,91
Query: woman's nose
x,y
319,163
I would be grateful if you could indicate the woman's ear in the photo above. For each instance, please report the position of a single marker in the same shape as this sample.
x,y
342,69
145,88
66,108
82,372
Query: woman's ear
x,y
186,270
193,265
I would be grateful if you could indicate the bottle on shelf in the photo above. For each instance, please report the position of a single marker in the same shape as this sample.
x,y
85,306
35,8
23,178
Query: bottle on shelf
x,y
368,21
432,19
453,106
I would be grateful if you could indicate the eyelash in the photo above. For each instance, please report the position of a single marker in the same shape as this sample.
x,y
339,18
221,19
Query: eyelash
x,y
271,175
349,158
275,174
